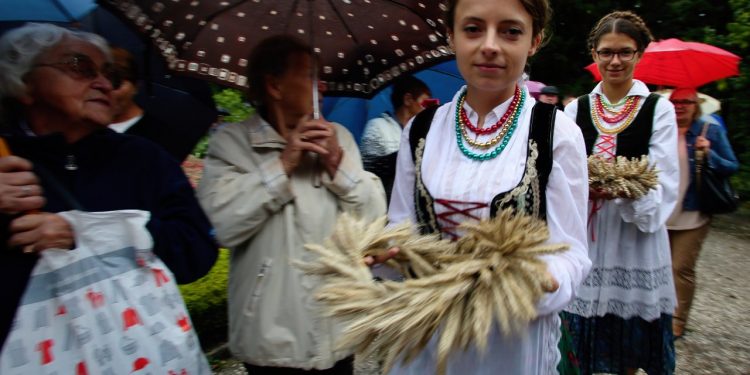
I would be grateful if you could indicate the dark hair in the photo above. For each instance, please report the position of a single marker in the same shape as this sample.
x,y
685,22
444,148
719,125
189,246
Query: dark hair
x,y
407,85
271,57
124,63
622,22
539,10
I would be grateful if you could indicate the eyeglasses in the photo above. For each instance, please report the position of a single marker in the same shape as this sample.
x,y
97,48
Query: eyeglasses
x,y
683,102
82,67
607,55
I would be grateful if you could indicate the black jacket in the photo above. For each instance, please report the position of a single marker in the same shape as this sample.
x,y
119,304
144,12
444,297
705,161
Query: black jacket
x,y
109,171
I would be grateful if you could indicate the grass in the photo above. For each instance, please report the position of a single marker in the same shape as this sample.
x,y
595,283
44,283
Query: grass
x,y
206,300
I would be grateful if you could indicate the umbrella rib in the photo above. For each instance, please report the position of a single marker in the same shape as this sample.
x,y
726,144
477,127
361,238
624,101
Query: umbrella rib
x,y
410,10
64,10
343,22
210,18
289,16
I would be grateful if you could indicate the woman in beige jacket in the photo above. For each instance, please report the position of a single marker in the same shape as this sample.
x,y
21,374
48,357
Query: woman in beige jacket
x,y
272,184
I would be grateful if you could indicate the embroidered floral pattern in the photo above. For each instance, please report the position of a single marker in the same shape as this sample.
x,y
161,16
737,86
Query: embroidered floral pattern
x,y
629,279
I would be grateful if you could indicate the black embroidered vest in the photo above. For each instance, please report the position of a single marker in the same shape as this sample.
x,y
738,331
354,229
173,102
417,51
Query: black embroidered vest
x,y
529,196
633,141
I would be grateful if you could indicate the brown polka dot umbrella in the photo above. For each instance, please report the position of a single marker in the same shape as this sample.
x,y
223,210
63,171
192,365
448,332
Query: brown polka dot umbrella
x,y
362,44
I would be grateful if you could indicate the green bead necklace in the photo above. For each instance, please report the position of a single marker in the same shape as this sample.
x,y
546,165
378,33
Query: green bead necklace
x,y
506,138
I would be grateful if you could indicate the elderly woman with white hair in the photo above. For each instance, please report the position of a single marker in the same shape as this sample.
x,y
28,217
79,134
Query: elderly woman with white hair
x,y
55,87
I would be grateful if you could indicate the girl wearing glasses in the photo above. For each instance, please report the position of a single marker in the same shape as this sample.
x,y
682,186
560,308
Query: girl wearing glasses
x,y
621,318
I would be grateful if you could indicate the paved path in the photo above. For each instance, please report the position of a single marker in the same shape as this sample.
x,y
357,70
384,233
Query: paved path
x,y
718,334
719,327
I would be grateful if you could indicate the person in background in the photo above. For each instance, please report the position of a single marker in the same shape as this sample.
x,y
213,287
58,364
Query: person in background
x,y
550,95
688,226
476,155
567,99
130,118
381,137
621,317
272,184
56,96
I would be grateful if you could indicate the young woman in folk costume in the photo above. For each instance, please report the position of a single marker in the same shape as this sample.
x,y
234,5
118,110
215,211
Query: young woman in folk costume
x,y
621,318
482,152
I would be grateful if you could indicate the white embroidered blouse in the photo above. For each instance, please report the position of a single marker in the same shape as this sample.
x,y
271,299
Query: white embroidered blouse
x,y
632,266
448,174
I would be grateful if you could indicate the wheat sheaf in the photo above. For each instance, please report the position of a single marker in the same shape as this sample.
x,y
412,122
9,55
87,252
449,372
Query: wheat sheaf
x,y
455,289
622,177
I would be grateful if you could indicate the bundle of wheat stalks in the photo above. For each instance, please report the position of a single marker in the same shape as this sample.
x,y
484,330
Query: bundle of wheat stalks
x,y
458,289
622,177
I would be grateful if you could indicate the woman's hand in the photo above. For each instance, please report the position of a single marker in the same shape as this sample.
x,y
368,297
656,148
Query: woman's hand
x,y
377,259
598,194
19,186
330,142
42,231
702,143
551,285
303,138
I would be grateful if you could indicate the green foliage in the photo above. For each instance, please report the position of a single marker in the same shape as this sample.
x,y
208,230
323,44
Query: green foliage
x,y
206,300
733,91
231,101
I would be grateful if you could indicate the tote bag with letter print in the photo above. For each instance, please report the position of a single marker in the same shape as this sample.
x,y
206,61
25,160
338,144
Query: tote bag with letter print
x,y
109,306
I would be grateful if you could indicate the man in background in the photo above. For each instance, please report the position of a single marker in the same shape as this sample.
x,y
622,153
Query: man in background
x,y
382,135
550,95
178,139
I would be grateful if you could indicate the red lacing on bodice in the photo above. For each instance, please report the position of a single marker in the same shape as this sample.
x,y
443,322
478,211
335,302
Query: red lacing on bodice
x,y
449,221
605,147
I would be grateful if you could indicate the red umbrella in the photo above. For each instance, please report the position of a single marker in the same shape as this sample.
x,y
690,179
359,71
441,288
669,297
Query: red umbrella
x,y
675,63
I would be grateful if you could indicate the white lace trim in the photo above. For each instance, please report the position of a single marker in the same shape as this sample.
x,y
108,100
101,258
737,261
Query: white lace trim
x,y
625,310
552,353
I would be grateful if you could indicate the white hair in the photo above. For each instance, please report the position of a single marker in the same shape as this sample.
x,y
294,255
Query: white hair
x,y
21,47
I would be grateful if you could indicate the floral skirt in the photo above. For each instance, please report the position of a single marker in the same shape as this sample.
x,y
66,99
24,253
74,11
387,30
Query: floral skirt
x,y
611,344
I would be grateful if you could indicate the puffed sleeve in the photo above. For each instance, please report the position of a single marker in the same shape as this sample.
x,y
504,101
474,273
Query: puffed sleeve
x,y
567,197
372,138
401,207
650,212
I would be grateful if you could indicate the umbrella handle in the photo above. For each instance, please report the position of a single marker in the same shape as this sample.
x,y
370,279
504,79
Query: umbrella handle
x,y
4,149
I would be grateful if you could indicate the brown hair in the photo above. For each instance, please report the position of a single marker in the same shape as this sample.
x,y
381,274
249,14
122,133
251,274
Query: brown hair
x,y
273,56
124,63
622,22
539,10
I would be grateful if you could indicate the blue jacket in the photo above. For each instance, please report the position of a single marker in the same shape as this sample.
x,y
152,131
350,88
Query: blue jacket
x,y
720,157
113,172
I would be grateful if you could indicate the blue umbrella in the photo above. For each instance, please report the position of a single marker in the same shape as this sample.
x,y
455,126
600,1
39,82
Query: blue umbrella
x,y
442,79
45,10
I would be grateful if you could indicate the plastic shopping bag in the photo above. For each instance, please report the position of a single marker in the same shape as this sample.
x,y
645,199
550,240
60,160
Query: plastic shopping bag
x,y
109,306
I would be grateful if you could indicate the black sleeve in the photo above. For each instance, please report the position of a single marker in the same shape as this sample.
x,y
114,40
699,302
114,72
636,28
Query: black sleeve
x,y
183,236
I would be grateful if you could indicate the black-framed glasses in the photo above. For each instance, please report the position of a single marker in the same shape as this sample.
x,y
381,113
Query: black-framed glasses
x,y
81,67
607,54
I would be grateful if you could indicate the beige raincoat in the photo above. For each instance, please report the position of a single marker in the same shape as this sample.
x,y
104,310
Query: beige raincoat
x,y
265,218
